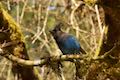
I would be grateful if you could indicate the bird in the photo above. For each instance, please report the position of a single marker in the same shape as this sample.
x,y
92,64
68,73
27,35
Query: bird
x,y
67,43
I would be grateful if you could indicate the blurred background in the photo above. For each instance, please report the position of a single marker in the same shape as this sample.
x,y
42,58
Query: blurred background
x,y
37,17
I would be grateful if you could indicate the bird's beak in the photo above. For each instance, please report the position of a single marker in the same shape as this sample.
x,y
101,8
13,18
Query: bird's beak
x,y
51,31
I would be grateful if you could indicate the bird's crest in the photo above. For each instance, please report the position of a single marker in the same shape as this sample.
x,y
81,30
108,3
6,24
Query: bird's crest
x,y
58,26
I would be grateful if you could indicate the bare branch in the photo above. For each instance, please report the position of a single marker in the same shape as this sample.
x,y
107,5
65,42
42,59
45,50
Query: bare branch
x,y
47,60
42,61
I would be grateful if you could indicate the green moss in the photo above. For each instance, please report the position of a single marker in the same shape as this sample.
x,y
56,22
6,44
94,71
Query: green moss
x,y
16,33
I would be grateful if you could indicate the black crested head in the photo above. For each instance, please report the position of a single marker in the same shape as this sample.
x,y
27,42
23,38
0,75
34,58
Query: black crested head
x,y
56,30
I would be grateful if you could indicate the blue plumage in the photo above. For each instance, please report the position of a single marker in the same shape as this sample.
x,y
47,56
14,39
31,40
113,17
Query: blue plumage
x,y
67,43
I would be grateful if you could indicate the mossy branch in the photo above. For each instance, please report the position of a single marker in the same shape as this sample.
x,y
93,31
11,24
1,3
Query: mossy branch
x,y
40,62
47,60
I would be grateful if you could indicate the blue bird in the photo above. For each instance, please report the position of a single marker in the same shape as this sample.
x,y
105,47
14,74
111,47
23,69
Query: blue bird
x,y
67,43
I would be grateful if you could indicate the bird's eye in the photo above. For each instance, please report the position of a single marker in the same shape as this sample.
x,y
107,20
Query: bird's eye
x,y
54,30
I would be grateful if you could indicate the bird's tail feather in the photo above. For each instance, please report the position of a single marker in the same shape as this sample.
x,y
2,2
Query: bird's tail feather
x,y
82,51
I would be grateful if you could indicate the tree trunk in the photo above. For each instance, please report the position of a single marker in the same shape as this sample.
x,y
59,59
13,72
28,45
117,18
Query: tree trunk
x,y
10,33
109,68
112,19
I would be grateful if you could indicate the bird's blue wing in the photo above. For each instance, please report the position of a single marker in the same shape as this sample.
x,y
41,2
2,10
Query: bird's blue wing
x,y
70,45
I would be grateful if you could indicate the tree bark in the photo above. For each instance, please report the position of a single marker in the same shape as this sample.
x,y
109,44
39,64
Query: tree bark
x,y
10,32
108,68
112,20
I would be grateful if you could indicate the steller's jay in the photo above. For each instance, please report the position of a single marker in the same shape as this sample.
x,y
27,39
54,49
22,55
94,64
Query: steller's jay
x,y
67,43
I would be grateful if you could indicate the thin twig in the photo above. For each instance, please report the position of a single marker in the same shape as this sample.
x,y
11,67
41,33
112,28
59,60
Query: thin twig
x,y
17,12
23,10
9,71
40,39
102,31
44,24
98,18
106,54
3,68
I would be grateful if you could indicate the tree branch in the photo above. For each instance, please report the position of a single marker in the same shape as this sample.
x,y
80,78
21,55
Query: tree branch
x,y
39,62
47,60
